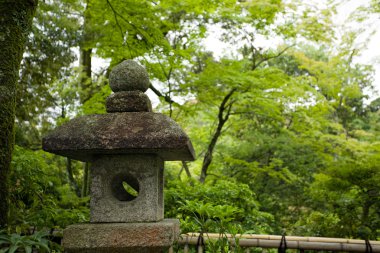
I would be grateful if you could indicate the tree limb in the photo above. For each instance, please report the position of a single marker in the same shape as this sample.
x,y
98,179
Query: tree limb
x,y
184,164
70,176
223,115
159,94
271,57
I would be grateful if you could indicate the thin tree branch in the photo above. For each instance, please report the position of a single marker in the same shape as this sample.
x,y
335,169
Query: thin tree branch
x,y
186,167
272,57
159,94
119,26
126,21
222,119
153,2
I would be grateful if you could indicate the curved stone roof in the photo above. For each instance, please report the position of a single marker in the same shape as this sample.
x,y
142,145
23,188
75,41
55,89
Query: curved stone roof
x,y
86,137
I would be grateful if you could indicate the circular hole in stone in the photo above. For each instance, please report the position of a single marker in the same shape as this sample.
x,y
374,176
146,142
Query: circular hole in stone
x,y
125,187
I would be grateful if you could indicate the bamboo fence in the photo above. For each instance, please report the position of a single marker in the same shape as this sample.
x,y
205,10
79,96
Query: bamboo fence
x,y
292,242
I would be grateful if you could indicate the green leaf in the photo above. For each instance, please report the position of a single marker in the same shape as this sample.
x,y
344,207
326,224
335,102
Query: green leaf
x,y
4,250
13,248
28,249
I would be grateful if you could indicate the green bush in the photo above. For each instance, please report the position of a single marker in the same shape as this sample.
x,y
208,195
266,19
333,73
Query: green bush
x,y
40,197
10,243
223,206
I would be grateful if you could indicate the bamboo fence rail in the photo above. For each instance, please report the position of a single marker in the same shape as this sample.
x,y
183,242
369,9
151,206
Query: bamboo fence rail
x,y
292,242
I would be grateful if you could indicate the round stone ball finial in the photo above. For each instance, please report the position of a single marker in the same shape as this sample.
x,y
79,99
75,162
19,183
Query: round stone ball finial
x,y
129,76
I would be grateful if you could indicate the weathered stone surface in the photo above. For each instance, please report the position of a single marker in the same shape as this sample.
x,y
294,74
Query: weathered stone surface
x,y
128,101
111,203
129,76
121,237
84,138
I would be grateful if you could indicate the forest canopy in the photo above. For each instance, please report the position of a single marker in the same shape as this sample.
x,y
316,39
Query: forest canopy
x,y
284,124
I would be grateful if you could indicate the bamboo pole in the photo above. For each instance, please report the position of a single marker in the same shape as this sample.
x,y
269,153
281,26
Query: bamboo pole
x,y
293,242
186,248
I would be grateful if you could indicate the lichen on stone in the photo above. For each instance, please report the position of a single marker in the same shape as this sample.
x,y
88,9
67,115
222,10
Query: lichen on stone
x,y
129,76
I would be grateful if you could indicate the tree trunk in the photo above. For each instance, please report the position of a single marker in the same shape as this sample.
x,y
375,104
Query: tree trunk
x,y
184,164
15,22
223,116
70,176
85,58
86,179
86,82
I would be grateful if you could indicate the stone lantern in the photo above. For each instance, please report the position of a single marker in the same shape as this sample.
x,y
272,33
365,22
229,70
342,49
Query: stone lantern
x,y
127,148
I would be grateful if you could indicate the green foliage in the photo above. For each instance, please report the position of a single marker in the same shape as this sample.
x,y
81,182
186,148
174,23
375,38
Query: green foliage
x,y
40,196
122,29
208,217
349,190
47,59
219,207
96,104
16,243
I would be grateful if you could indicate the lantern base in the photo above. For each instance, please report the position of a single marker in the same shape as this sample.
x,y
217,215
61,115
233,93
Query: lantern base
x,y
121,237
